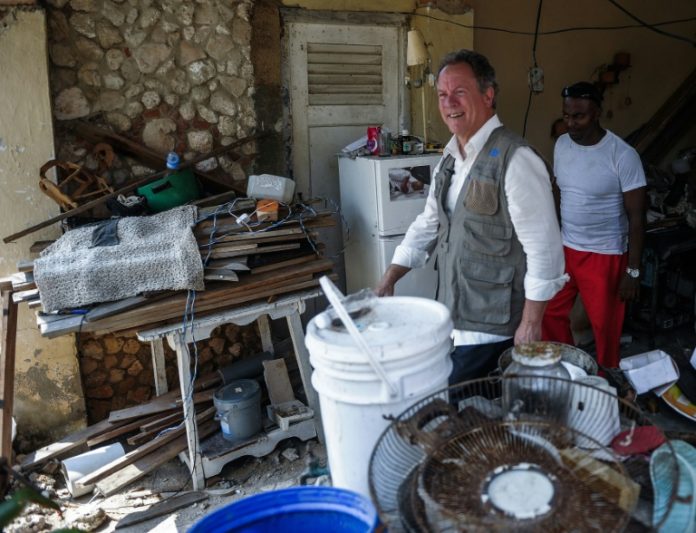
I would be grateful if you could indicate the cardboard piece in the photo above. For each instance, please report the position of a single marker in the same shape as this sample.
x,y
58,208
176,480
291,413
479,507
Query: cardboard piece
x,y
650,370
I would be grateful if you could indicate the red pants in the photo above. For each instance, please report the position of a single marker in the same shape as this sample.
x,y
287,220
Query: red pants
x,y
596,277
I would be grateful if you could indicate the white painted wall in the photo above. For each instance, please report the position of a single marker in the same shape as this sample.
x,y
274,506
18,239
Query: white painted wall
x,y
48,394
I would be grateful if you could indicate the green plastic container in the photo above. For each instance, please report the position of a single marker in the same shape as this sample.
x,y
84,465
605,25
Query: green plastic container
x,y
175,189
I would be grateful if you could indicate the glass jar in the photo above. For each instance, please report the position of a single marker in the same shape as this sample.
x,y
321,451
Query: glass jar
x,y
529,389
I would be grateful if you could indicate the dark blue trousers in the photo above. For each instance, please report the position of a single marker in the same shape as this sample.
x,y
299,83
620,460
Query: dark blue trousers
x,y
476,360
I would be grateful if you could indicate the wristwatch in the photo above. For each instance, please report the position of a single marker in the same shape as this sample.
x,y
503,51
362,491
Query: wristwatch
x,y
633,272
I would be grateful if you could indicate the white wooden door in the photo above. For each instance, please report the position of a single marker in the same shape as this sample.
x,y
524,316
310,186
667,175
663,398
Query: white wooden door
x,y
342,79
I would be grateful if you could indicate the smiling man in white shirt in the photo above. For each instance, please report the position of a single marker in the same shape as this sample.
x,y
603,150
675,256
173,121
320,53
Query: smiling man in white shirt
x,y
490,218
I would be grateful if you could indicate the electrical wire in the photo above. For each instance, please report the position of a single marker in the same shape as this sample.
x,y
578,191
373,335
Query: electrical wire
x,y
651,26
560,30
534,59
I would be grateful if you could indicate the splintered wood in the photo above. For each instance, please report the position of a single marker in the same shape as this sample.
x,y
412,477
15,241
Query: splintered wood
x,y
245,260
159,437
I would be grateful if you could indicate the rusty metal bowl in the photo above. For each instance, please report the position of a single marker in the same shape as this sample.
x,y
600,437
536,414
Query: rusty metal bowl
x,y
569,354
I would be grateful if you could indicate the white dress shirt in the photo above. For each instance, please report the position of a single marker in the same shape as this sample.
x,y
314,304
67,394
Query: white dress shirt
x,y
533,215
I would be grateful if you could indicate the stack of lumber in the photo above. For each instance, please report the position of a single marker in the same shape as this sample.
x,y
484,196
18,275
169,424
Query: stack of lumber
x,y
140,429
245,260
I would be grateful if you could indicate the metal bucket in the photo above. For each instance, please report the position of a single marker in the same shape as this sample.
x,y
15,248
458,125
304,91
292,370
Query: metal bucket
x,y
238,407
569,354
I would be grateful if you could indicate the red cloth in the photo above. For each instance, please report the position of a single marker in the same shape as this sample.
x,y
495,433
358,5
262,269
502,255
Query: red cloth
x,y
597,278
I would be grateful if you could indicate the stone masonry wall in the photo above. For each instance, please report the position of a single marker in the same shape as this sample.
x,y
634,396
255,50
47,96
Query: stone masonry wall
x,y
117,370
173,75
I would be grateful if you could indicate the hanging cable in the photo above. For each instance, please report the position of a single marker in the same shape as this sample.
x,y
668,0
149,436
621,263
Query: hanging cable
x,y
535,65
651,26
569,29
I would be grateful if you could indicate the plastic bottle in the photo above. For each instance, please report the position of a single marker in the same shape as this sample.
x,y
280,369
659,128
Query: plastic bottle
x,y
177,187
173,161
405,142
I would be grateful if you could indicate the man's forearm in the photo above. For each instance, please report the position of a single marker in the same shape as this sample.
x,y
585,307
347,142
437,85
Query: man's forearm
x,y
529,329
393,274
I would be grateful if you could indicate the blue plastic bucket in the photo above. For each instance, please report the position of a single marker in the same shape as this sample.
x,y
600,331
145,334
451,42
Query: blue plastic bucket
x,y
297,509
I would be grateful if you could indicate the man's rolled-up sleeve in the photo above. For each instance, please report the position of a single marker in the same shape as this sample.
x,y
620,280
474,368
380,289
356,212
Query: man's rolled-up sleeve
x,y
420,239
533,215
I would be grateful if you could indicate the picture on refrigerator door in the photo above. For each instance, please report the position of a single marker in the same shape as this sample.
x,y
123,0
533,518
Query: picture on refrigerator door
x,y
408,182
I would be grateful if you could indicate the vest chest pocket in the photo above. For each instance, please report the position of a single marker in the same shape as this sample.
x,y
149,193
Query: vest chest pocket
x,y
487,239
482,197
485,292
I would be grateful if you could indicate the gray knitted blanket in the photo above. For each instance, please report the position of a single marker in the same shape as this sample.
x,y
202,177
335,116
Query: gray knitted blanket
x,y
154,253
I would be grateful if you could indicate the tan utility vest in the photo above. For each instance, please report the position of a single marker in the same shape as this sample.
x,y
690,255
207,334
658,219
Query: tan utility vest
x,y
480,261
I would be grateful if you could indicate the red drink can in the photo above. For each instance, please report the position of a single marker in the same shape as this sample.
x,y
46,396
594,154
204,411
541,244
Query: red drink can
x,y
373,139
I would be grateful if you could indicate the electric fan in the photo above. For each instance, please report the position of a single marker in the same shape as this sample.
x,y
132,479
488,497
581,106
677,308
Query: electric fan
x,y
517,453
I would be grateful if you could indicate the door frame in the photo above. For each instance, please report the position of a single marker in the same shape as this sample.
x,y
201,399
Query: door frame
x,y
298,164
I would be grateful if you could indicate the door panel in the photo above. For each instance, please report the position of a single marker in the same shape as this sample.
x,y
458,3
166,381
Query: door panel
x,y
342,79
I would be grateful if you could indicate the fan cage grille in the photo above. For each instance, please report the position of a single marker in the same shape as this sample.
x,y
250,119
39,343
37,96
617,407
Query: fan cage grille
x,y
397,458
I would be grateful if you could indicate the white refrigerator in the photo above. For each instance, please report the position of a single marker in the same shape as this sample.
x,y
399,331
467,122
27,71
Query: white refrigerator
x,y
380,197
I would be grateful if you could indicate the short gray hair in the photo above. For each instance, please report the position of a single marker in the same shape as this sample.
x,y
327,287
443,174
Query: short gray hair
x,y
483,70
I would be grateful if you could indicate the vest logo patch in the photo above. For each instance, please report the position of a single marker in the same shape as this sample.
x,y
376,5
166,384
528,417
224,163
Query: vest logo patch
x,y
494,152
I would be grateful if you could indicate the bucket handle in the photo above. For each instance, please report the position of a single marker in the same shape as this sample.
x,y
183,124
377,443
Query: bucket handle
x,y
334,296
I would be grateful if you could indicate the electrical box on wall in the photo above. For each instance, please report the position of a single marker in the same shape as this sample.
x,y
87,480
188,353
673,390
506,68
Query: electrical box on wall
x,y
535,78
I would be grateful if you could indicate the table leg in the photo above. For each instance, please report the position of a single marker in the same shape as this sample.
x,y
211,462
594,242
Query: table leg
x,y
265,334
183,361
158,366
7,372
302,356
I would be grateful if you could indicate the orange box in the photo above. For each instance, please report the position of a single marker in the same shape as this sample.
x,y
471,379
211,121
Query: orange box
x,y
267,210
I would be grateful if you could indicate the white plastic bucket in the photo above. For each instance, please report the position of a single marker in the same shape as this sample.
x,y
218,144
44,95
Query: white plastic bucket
x,y
410,337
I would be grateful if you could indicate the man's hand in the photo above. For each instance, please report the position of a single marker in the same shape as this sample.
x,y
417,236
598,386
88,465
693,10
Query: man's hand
x,y
629,288
393,274
529,329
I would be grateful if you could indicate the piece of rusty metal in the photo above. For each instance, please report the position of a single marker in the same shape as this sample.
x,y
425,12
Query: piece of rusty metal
x,y
78,186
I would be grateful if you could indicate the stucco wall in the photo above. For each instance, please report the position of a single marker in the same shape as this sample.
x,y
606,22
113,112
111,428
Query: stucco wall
x,y
659,63
48,397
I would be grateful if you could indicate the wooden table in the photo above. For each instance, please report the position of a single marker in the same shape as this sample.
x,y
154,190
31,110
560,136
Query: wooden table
x,y
179,336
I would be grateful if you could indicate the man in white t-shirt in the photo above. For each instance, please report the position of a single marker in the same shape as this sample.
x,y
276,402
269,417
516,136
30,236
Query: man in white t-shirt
x,y
601,184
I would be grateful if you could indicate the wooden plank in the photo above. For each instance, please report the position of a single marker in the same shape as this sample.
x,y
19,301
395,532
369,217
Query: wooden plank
x,y
145,436
142,451
223,210
256,235
65,445
162,404
121,430
221,275
125,189
162,508
275,374
146,155
162,422
238,264
7,372
40,246
255,286
140,323
263,238
112,308
224,247
25,265
25,296
215,254
124,477
284,264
